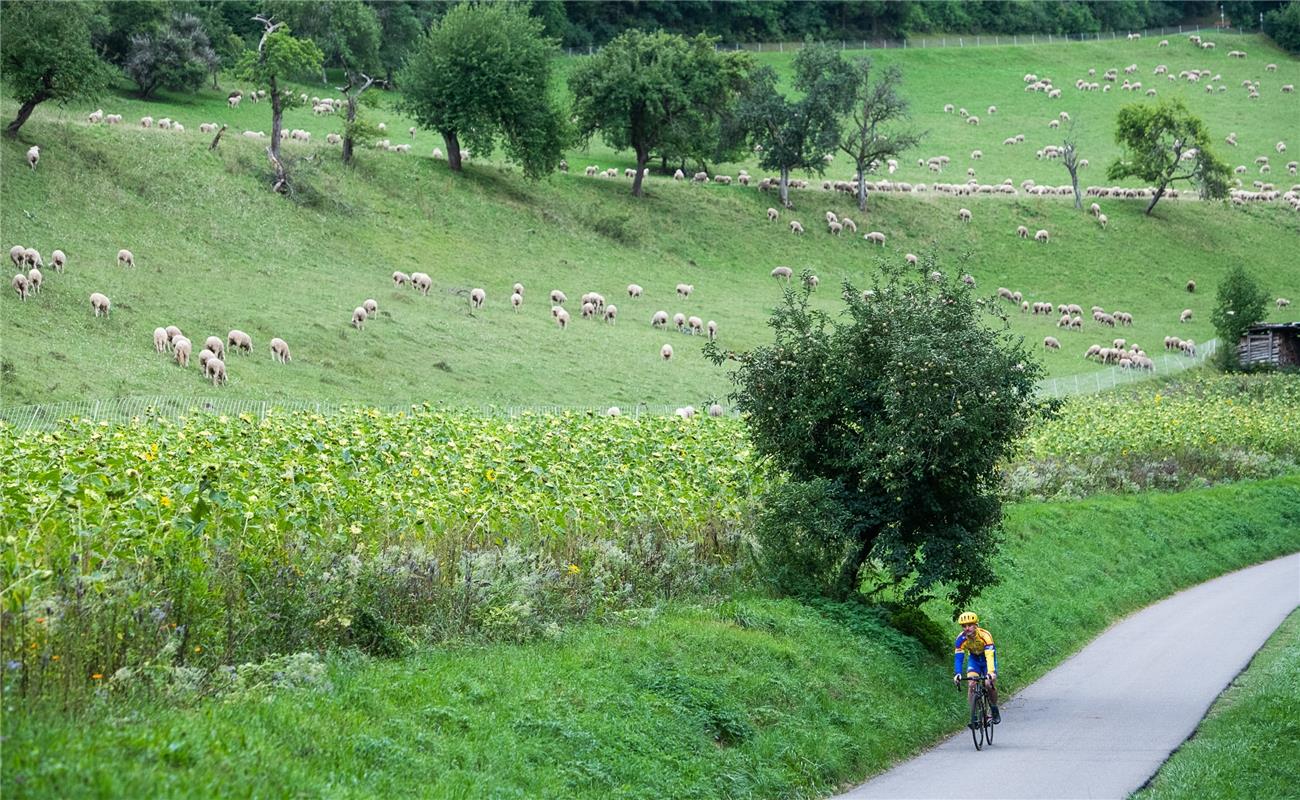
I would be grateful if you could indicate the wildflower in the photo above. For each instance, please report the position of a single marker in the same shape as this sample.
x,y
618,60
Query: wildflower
x,y
54,658
198,649
574,569
490,475
97,676
165,501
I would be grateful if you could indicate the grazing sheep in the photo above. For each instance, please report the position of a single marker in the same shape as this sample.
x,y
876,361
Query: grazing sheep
x,y
969,280
964,214
215,369
1282,302
401,279
22,286
100,304
371,307
659,320
1185,316
421,282
476,298
516,300
146,122
772,215
58,260
1051,343
830,217
875,237
18,255
613,411
35,279
280,351
558,298
358,317
215,344
588,310
1041,236
1102,220
795,226
678,175
33,156
125,258
696,325
181,348
835,228
811,281
684,290
1022,232
910,258
1191,287
518,289
679,322
32,257
849,225
633,290
611,313
173,333
712,328
783,273
666,352
161,343
240,341
561,317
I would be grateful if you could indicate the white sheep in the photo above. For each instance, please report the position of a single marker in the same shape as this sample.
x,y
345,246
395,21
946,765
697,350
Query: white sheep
x,y
1282,302
215,344
205,355
146,122
215,369
32,257
835,228
33,156
100,304
875,237
18,255
181,348
772,215
1022,232
666,352
679,321
161,343
561,316
684,290
358,317
695,324
125,258
633,290
611,313
678,175
613,411
240,341
964,214
558,297
1041,236
518,289
1102,219
783,273
911,259
22,286
796,226
421,282
811,281
588,310
849,225
1185,316
685,412
1051,343
659,319
400,278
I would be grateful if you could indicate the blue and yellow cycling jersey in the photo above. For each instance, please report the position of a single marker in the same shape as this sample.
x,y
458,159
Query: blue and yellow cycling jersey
x,y
975,650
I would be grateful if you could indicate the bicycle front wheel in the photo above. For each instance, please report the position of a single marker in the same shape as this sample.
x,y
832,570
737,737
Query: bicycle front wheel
x,y
986,721
979,713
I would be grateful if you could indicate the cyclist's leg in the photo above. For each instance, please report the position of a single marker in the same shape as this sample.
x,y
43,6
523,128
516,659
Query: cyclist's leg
x,y
993,700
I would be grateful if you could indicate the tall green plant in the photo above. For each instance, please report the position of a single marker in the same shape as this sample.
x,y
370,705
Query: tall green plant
x,y
889,424
45,54
1239,303
1164,144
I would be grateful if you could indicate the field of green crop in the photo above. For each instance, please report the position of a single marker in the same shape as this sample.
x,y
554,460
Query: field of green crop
x,y
216,251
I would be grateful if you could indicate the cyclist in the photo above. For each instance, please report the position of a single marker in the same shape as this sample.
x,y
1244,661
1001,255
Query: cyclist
x,y
976,656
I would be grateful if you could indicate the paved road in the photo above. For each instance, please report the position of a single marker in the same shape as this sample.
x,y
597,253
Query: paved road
x,y
1102,723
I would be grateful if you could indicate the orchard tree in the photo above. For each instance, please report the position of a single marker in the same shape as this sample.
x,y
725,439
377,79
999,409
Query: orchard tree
x,y
798,134
353,44
177,56
872,135
1070,158
45,54
657,92
401,27
278,57
482,74
1239,303
888,423
1165,143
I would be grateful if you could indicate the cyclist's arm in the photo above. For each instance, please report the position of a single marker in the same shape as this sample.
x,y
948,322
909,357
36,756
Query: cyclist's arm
x,y
991,656
958,659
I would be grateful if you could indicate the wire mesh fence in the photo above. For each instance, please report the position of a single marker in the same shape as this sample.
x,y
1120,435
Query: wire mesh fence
x,y
145,408
973,40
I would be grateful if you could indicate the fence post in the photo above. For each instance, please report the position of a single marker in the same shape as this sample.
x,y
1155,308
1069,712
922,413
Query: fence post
x,y
95,414
1033,38
961,42
1049,38
945,41
1015,40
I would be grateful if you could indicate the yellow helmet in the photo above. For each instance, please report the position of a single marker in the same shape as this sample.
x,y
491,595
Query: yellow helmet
x,y
968,618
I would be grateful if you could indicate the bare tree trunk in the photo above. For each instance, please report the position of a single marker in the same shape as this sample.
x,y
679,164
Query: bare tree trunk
x,y
642,157
281,183
862,189
785,187
23,113
347,131
1156,199
1074,180
453,150
216,140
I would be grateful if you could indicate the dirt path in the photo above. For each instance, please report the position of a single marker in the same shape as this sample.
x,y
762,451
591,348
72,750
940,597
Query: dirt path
x,y
1104,721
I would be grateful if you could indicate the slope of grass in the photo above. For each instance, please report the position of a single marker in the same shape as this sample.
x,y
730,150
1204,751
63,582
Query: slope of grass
x,y
217,251
749,698
1248,744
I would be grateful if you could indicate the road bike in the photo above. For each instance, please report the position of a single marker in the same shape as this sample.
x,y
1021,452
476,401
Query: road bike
x,y
982,730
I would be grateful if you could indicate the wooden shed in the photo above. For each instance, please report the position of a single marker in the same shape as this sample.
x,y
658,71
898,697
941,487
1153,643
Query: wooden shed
x,y
1274,344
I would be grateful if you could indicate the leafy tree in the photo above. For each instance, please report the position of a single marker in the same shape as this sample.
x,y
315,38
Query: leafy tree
x,y
279,56
798,134
178,56
1239,303
1283,26
647,91
124,20
1165,143
888,425
45,54
870,137
353,44
400,26
483,73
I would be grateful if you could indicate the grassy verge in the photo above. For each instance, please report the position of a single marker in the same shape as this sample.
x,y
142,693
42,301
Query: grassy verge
x,y
746,698
1249,743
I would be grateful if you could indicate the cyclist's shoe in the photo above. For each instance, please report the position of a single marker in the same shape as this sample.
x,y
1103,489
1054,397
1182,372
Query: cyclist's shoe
x,y
997,718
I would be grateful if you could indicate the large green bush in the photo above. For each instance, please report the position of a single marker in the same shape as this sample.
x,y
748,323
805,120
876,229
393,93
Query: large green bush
x,y
1283,25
